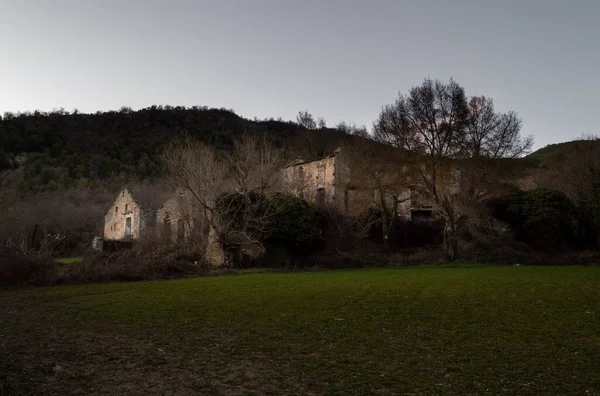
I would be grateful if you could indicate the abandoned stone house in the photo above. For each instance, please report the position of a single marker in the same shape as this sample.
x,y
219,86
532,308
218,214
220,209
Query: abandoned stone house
x,y
129,217
176,219
336,182
126,218
333,181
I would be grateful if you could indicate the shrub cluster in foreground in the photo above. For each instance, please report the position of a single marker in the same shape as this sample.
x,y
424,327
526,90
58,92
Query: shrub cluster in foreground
x,y
176,261
17,268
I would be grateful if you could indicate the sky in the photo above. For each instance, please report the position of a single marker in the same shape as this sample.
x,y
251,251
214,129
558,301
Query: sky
x,y
338,59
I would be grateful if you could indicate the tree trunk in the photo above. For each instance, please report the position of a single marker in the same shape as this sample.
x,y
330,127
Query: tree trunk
x,y
451,241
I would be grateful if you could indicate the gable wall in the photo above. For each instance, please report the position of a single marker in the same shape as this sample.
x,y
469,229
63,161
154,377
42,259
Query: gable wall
x,y
115,218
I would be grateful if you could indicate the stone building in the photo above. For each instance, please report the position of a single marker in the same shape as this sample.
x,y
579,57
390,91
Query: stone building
x,y
177,219
130,217
127,218
317,181
337,181
340,182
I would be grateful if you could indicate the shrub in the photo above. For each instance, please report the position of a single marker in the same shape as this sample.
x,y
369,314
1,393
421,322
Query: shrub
x,y
298,225
148,259
19,269
542,218
404,234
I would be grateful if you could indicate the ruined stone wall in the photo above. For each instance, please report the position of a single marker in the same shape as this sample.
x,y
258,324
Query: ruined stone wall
x,y
179,218
125,207
313,181
352,190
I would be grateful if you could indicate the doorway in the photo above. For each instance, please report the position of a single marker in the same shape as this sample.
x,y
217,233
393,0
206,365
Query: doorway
x,y
128,227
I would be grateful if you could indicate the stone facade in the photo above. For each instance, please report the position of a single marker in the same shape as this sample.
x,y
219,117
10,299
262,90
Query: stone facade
x,y
316,181
126,219
179,218
336,182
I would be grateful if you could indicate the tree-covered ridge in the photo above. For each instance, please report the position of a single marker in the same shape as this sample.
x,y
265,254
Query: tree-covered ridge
x,y
59,148
558,152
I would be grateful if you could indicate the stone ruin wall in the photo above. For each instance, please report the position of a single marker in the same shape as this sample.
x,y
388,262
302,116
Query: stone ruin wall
x,y
115,218
313,181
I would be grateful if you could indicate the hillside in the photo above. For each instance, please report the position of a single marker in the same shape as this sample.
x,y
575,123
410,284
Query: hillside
x,y
555,153
61,149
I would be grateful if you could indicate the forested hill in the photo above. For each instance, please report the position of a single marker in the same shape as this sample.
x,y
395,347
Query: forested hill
x,y
61,149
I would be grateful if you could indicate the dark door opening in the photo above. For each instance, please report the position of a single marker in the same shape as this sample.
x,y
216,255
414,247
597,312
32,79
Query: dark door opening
x,y
320,197
128,227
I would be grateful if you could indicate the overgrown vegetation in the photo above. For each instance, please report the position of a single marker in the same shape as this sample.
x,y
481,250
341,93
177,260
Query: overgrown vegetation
x,y
434,147
541,217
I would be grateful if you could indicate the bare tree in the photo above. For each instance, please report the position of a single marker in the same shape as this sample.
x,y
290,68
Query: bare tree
x,y
380,176
293,179
445,136
322,123
231,190
305,119
256,164
353,129
491,138
491,135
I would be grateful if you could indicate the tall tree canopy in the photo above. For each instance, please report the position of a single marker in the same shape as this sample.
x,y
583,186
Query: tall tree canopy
x,y
454,141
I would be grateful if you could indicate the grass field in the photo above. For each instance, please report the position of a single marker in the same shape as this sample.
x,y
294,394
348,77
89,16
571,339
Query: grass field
x,y
421,331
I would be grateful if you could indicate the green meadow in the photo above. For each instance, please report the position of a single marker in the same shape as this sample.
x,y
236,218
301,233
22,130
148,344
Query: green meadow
x,y
415,331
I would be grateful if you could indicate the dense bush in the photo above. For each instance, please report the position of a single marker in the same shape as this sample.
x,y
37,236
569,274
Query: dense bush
x,y
298,225
143,262
404,234
542,218
288,228
19,269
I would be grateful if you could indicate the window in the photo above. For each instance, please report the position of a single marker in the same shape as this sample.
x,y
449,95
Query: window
x,y
117,209
126,206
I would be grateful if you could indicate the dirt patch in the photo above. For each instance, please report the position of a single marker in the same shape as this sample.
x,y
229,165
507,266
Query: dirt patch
x,y
46,359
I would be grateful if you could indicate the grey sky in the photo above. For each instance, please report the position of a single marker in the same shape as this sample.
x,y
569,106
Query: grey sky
x,y
338,59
